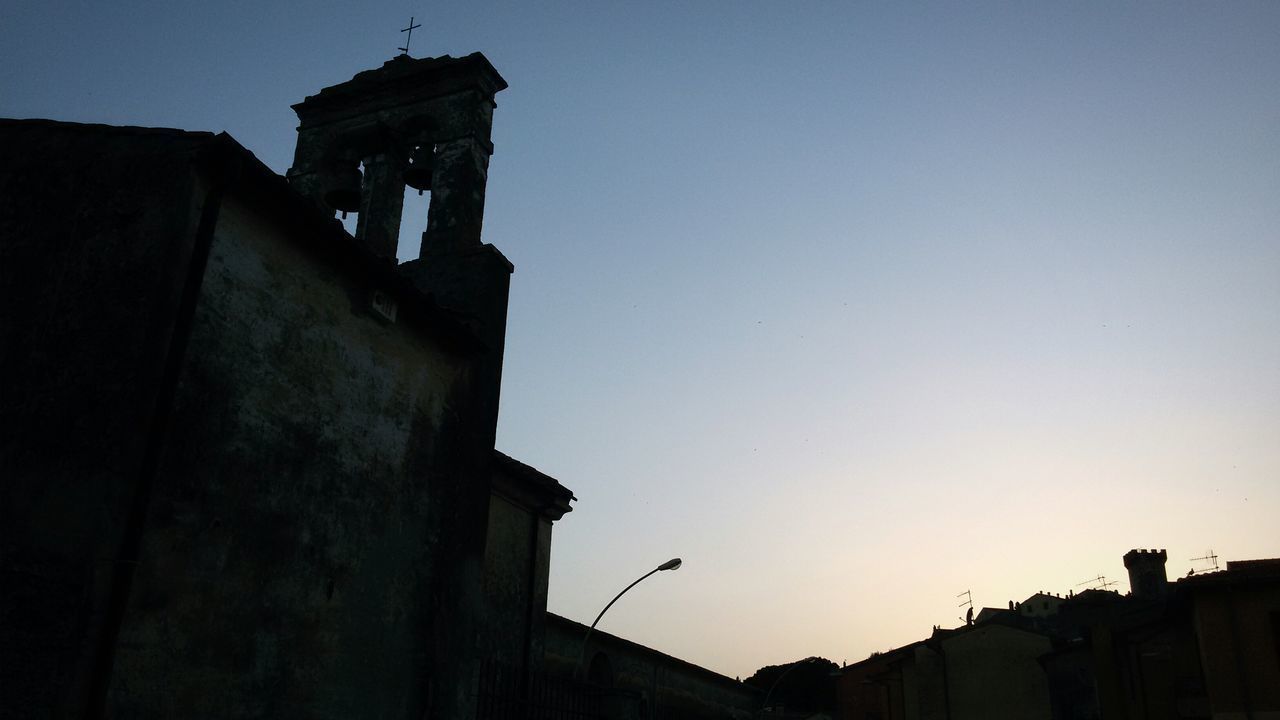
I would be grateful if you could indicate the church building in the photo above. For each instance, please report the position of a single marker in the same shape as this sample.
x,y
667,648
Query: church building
x,y
248,459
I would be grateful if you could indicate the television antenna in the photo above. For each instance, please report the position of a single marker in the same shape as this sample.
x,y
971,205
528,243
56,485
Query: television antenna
x,y
968,596
1209,557
1102,583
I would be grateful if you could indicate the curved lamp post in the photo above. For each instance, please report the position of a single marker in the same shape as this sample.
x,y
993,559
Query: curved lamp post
x,y
671,564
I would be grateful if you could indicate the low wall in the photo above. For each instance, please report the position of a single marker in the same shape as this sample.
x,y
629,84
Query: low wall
x,y
666,688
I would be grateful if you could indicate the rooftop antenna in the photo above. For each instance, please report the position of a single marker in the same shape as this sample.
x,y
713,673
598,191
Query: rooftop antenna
x,y
1208,557
1102,583
405,50
968,596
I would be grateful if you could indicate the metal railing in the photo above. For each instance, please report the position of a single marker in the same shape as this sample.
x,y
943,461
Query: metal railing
x,y
504,693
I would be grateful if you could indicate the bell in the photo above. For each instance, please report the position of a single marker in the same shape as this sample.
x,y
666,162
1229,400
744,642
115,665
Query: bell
x,y
421,165
344,195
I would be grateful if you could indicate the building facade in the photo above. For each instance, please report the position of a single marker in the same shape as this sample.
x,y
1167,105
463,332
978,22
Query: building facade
x,y
249,465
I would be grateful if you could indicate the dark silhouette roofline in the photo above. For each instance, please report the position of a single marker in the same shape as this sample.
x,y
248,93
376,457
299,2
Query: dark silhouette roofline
x,y
398,72
709,674
224,160
112,129
528,488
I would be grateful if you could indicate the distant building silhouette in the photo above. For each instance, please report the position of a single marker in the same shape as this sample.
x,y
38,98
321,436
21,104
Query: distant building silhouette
x,y
1207,646
1040,605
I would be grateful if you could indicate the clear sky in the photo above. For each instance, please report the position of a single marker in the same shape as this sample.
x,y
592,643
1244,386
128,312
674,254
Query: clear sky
x,y
854,306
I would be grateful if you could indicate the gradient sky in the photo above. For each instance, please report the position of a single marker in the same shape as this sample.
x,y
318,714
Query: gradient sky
x,y
852,306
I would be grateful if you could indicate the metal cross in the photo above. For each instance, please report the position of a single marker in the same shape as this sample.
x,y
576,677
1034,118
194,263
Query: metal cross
x,y
405,50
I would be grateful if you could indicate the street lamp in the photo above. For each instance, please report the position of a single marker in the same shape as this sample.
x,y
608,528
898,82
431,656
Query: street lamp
x,y
671,564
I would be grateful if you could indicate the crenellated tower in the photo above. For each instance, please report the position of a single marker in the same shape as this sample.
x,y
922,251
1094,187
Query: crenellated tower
x,y
1147,578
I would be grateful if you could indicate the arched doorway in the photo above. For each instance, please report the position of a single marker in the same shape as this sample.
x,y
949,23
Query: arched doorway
x,y
600,671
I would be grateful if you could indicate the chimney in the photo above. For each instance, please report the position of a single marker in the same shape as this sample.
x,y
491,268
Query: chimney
x,y
424,123
1147,577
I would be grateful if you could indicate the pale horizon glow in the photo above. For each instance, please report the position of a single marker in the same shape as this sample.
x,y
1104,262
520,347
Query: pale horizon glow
x,y
853,308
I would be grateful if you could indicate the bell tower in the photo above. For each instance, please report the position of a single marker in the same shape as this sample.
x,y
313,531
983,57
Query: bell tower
x,y
424,123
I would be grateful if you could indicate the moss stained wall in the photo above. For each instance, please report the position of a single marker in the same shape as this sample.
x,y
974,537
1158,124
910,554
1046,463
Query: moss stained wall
x,y
292,539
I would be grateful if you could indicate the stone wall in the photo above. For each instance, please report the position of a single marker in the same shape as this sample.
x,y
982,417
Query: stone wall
x,y
667,688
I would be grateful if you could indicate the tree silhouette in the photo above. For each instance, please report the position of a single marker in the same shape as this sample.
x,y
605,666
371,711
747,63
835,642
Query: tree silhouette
x,y
807,685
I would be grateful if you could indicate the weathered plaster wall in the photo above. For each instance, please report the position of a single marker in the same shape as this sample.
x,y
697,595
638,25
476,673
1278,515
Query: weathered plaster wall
x,y
293,534
927,697
863,689
97,227
523,504
517,558
993,671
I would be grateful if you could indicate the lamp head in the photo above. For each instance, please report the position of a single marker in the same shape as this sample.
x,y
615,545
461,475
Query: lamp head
x,y
671,564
